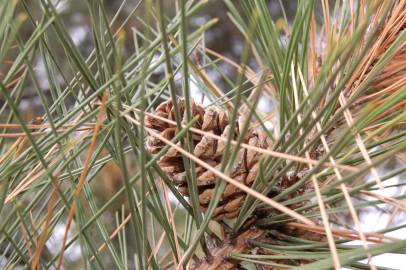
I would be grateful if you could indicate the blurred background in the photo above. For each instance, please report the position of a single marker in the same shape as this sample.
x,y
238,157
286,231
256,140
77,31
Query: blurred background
x,y
224,38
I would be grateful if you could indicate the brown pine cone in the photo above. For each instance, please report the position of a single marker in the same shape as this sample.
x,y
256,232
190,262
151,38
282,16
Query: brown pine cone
x,y
211,120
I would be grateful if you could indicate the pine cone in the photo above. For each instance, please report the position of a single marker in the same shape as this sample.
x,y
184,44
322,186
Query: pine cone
x,y
216,121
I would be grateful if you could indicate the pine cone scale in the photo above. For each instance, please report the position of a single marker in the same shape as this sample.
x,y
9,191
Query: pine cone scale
x,y
212,120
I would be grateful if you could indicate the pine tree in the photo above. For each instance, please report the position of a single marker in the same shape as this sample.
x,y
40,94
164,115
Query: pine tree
x,y
150,150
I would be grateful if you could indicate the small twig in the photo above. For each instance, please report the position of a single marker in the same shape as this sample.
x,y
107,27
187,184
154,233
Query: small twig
x,y
257,149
